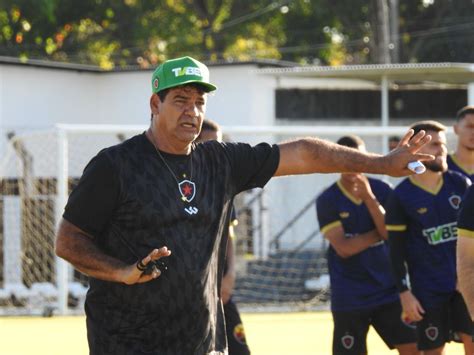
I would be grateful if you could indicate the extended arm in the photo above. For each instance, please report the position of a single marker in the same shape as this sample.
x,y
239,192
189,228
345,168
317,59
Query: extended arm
x,y
313,155
347,247
465,266
79,248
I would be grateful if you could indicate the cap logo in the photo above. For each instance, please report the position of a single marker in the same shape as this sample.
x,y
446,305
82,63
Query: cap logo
x,y
186,71
156,83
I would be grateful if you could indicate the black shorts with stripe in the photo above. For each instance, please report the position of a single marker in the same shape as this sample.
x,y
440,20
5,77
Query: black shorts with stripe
x,y
444,324
351,328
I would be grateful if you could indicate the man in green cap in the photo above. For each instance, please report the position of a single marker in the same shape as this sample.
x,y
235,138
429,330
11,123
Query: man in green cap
x,y
148,221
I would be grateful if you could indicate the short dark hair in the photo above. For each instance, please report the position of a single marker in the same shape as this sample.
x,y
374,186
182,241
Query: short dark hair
x,y
428,125
351,141
466,110
394,139
163,93
210,125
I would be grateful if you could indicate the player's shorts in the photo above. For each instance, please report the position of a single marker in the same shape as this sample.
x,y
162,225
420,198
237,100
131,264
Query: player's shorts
x,y
443,324
235,330
351,328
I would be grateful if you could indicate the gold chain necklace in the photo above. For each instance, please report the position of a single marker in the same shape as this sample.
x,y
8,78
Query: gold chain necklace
x,y
189,187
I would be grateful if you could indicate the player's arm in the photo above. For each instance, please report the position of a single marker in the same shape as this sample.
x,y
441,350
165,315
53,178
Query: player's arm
x,y
313,155
396,223
77,247
412,308
375,208
228,281
377,212
89,210
347,247
465,250
332,229
465,266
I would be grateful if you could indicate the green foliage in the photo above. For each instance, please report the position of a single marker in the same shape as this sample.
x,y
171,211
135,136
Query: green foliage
x,y
112,33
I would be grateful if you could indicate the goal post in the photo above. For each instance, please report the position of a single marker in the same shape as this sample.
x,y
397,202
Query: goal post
x,y
280,253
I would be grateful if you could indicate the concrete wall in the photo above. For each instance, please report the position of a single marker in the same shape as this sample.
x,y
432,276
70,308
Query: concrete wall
x,y
34,98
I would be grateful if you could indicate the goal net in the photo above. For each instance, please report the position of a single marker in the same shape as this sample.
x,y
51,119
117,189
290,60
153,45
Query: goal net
x,y
280,254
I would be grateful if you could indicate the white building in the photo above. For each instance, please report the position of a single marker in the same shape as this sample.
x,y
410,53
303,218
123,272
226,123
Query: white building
x,y
37,95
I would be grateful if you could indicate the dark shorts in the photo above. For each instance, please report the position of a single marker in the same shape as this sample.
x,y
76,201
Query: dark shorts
x,y
351,328
443,324
235,330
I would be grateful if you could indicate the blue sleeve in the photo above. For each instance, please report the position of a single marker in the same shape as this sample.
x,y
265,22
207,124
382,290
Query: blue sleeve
x,y
466,214
397,222
396,218
328,217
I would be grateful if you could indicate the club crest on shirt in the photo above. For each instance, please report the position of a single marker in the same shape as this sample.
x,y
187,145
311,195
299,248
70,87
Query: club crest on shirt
x,y
347,341
239,333
431,333
344,214
455,201
187,189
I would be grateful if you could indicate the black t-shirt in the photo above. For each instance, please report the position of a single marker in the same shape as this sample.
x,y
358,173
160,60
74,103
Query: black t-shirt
x,y
130,202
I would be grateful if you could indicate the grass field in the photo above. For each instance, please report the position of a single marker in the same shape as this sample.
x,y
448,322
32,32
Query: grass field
x,y
267,334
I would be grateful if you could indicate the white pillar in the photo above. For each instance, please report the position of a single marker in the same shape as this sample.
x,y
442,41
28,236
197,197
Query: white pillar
x,y
470,93
265,223
385,111
12,265
61,200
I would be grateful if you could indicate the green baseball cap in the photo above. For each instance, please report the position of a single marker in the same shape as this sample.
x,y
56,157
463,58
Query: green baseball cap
x,y
180,71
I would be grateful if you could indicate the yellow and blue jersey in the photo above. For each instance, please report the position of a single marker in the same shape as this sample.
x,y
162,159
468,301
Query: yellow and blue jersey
x,y
363,280
466,215
422,226
455,165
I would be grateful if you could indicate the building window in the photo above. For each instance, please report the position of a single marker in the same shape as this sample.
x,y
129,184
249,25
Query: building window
x,y
319,104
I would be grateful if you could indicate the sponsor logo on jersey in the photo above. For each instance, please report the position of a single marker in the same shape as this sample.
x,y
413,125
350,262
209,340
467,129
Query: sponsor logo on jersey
x,y
344,214
455,201
186,71
441,234
239,333
431,332
187,189
422,210
191,210
347,341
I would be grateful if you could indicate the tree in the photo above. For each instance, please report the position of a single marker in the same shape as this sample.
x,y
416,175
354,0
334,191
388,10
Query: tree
x,y
120,33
